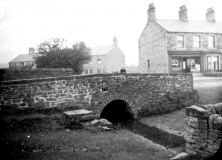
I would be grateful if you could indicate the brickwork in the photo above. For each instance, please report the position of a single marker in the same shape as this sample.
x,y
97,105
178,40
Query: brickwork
x,y
152,45
145,94
205,127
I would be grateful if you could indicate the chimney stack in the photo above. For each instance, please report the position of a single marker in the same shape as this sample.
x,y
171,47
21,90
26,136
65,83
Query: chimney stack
x,y
210,15
183,13
115,42
151,13
31,50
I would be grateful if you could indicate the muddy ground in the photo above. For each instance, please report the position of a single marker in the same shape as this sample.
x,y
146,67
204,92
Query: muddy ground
x,y
41,136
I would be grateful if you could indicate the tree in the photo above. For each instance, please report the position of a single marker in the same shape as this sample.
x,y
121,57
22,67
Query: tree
x,y
53,54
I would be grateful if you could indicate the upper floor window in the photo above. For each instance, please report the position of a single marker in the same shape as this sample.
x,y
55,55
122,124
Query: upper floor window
x,y
197,42
211,41
180,41
99,60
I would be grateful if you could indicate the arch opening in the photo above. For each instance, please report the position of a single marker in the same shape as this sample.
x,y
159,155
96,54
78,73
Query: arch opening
x,y
117,111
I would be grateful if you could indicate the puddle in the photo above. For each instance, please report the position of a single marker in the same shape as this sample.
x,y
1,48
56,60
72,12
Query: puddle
x,y
154,134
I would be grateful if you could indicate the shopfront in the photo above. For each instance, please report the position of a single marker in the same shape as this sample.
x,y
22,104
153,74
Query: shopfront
x,y
194,62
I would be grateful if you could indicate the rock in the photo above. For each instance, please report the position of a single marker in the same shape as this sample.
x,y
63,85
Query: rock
x,y
217,123
105,122
87,117
197,112
211,119
105,128
182,155
96,122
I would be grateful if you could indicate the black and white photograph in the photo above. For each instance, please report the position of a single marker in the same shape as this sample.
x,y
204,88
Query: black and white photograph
x,y
110,79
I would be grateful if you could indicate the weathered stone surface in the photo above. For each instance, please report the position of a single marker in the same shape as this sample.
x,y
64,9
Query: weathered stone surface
x,y
210,141
197,112
195,146
211,119
193,119
217,123
203,126
203,121
88,117
194,125
213,135
105,122
190,151
199,139
181,155
188,140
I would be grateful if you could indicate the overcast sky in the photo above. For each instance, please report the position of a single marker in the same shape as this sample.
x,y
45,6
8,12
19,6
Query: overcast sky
x,y
27,23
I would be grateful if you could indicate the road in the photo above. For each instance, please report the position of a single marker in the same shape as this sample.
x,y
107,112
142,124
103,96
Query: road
x,y
202,81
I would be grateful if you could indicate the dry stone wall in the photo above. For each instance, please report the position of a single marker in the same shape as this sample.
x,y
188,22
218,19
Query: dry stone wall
x,y
145,94
205,127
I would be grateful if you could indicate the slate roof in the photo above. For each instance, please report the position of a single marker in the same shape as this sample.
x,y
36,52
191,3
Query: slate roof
x,y
24,58
101,50
190,26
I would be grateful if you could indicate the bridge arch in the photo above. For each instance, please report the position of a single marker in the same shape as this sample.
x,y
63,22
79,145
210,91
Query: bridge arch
x,y
118,107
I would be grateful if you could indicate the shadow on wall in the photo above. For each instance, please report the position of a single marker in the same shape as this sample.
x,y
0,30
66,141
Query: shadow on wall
x,y
117,111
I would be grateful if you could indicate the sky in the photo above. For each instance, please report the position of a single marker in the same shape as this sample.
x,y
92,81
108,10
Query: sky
x,y
27,23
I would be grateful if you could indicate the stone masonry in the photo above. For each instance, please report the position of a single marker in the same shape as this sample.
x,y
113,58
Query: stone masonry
x,y
144,93
205,127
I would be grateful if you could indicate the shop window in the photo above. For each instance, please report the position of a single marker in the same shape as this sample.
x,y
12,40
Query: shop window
x,y
176,63
99,60
180,41
211,41
91,71
215,62
197,42
209,64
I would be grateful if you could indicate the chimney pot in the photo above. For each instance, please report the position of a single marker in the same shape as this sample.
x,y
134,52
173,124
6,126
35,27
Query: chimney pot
x,y
183,13
210,15
31,50
151,12
115,41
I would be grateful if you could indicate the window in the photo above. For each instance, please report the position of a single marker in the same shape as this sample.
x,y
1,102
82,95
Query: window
x,y
148,64
98,60
98,70
180,41
90,62
86,71
91,71
176,63
197,42
215,62
211,41
209,63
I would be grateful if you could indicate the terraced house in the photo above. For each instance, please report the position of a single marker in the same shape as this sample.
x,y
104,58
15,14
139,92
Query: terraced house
x,y
105,59
180,46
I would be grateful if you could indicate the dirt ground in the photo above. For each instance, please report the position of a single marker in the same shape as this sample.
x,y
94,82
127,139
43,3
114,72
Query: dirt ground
x,y
44,139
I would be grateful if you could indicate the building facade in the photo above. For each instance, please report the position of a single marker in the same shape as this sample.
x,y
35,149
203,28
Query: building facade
x,y
105,59
180,46
24,60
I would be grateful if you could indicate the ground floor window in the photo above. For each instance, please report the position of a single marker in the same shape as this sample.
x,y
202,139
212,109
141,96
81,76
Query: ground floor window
x,y
91,71
212,62
185,64
98,70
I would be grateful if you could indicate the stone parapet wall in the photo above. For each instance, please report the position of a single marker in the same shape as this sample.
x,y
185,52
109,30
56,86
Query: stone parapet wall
x,y
205,129
17,74
144,93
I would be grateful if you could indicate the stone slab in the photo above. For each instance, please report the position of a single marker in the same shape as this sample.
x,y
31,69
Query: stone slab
x,y
197,112
77,112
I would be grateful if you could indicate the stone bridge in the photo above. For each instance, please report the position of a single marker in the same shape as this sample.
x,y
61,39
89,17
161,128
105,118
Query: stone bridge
x,y
140,94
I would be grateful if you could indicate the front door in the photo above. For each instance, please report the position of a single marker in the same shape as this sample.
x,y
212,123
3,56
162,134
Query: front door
x,y
186,64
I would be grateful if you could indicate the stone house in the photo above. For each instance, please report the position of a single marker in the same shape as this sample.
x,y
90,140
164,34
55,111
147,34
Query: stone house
x,y
24,60
180,46
105,59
